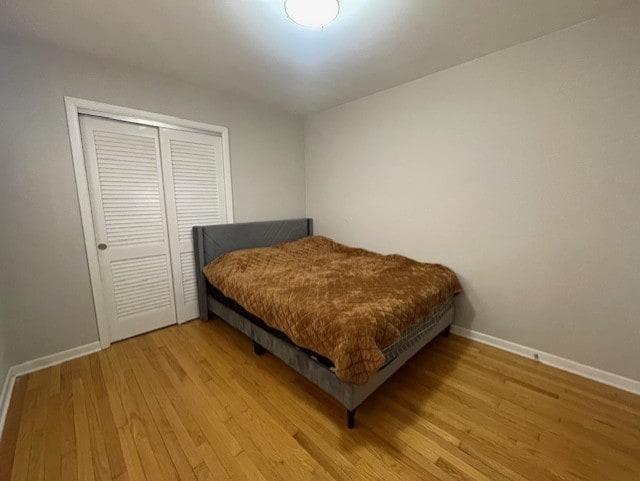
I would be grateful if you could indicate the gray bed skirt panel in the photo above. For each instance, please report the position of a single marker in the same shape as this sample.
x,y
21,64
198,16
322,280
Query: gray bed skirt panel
x,y
313,370
348,394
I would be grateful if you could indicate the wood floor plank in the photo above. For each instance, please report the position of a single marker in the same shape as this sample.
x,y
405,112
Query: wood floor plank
x,y
83,435
131,457
211,421
255,424
110,381
99,437
53,438
487,429
543,374
193,402
9,439
133,435
153,398
620,414
164,394
107,421
448,442
151,441
68,449
586,423
223,461
25,440
36,456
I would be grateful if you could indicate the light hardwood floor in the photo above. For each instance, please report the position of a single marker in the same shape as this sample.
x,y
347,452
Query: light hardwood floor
x,y
193,402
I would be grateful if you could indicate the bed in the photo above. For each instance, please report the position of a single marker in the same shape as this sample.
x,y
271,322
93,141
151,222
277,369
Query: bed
x,y
212,242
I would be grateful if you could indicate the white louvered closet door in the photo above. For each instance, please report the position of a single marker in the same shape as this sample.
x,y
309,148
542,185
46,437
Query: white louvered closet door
x,y
128,207
194,177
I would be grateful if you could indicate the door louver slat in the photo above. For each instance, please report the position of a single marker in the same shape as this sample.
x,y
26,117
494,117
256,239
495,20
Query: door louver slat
x,y
187,262
194,179
150,292
129,195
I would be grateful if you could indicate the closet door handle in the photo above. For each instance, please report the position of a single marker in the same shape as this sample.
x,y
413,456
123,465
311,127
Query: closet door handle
x,y
102,246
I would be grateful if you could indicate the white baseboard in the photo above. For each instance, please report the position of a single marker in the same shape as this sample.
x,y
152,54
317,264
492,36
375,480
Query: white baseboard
x,y
36,365
605,377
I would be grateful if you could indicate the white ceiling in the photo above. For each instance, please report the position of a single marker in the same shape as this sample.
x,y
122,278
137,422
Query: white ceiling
x,y
249,47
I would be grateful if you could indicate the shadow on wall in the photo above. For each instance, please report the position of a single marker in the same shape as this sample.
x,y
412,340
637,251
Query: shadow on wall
x,y
465,313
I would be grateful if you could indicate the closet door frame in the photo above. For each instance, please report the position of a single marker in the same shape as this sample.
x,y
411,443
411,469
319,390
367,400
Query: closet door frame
x,y
74,108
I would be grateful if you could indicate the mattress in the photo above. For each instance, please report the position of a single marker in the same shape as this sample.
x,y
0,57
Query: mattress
x,y
416,333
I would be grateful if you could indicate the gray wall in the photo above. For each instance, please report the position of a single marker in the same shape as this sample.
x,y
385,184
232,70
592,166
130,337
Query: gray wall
x,y
521,171
44,281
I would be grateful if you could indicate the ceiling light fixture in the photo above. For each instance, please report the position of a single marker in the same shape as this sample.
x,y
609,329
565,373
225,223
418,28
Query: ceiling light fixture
x,y
312,13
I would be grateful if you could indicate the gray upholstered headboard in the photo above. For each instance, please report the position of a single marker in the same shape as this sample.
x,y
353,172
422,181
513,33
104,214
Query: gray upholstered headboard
x,y
212,241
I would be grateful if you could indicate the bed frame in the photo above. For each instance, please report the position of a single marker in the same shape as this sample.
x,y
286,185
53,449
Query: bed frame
x,y
213,241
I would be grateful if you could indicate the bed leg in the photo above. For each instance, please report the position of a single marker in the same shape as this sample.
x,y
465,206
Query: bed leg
x,y
351,418
445,332
258,349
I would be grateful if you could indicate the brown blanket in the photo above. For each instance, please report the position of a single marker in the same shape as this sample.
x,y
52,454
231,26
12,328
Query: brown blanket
x,y
344,303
